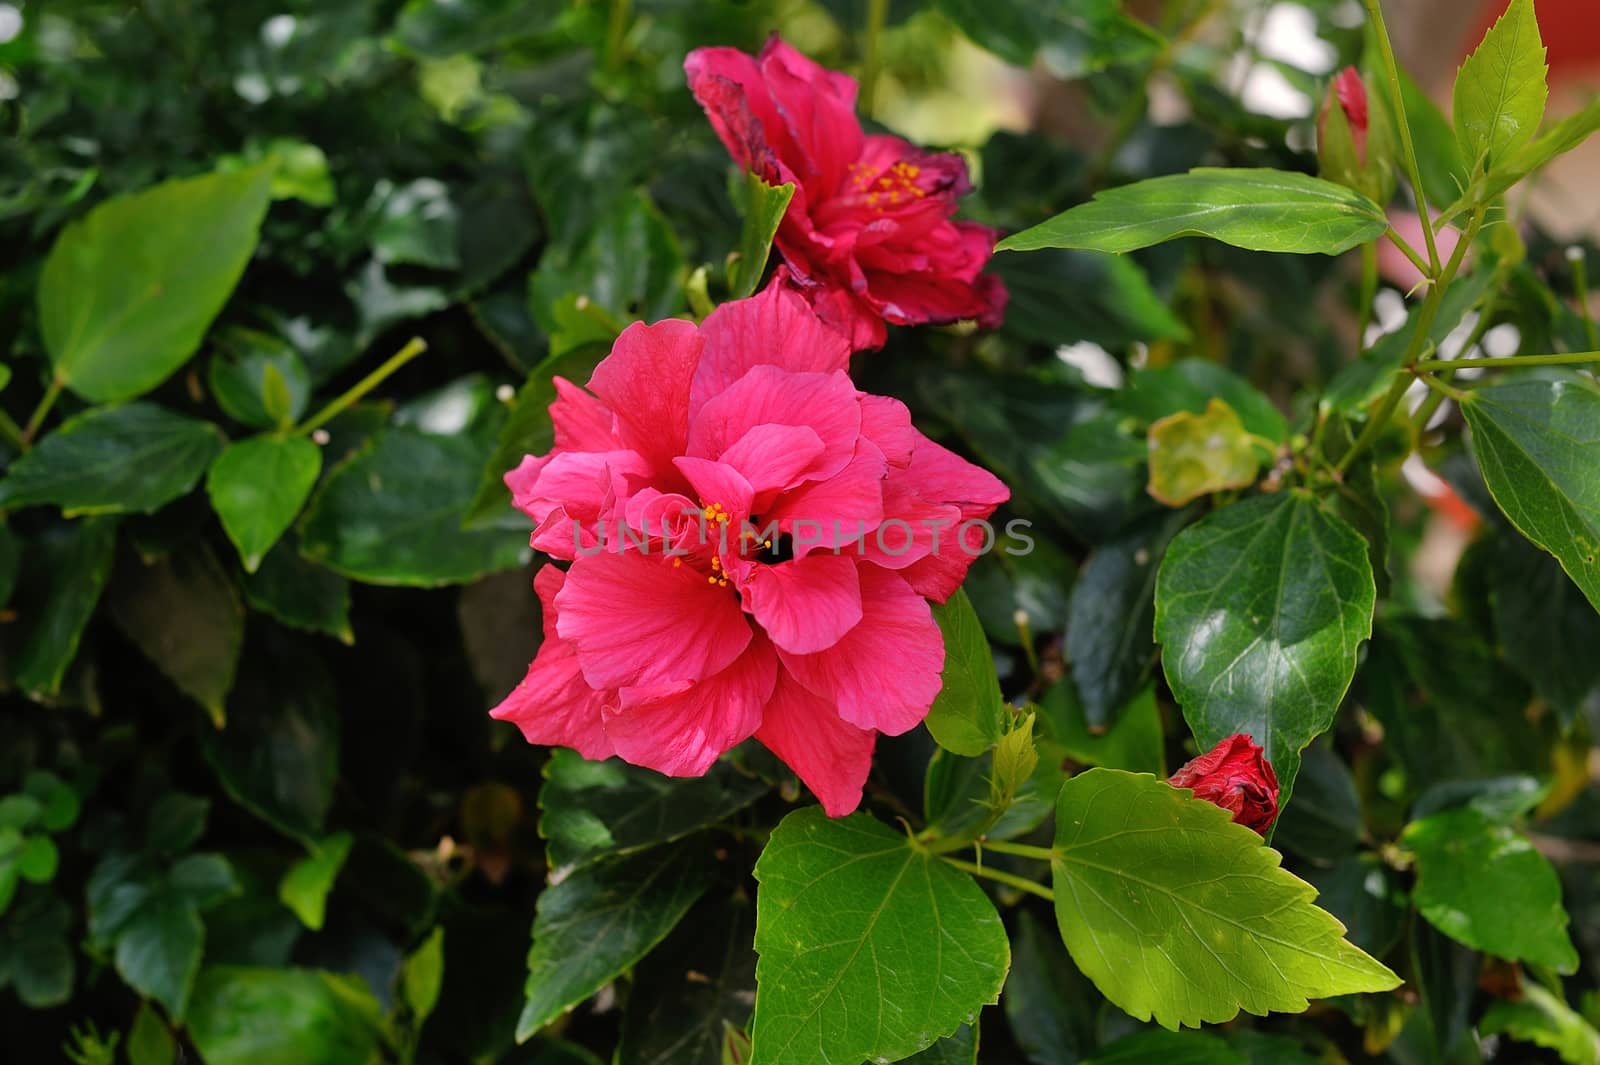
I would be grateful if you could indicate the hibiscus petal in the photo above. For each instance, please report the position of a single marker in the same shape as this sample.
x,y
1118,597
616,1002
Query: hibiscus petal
x,y
645,381
554,705
826,403
775,327
681,729
887,423
832,756
774,457
884,673
638,619
581,422
805,604
729,87
837,512
818,108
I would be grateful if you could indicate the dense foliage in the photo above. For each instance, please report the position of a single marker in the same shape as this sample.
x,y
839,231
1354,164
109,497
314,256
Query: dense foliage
x,y
283,291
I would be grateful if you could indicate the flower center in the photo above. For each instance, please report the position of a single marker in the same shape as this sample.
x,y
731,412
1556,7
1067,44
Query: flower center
x,y
888,188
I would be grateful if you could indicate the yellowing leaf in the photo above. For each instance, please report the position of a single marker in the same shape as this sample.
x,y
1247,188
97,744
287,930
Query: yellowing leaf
x,y
1192,455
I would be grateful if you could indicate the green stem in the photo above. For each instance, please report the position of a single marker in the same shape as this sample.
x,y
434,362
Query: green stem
x,y
1392,69
1369,290
877,17
1441,388
8,429
999,876
36,421
1580,282
1575,358
1021,850
1409,252
416,347
1402,381
617,32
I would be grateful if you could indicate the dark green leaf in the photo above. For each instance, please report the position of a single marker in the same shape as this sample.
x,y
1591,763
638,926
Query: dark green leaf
x,y
958,1049
392,515
1538,444
602,919
589,810
59,803
1500,90
1210,923
629,266
184,614
305,887
1259,210
68,569
1363,892
1260,609
37,861
1546,626
1133,742
967,716
158,952
444,28
249,1016
10,562
1324,819
870,947
1483,884
130,459
1071,41
1049,1003
257,487
1444,174
301,594
1169,1048
149,1041
1190,384
764,206
415,224
1541,1018
1112,305
129,291
176,822
1111,616
259,379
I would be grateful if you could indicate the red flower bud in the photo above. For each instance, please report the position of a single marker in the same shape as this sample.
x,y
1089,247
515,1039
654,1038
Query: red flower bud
x,y
1351,93
1235,776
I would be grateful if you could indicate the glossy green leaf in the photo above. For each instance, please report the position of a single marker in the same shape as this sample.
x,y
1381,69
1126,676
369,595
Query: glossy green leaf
x,y
1500,90
1538,445
1133,742
1070,40
1546,626
763,209
1260,210
602,919
1192,455
415,223
1177,913
300,594
392,515
257,487
958,1049
1541,1018
1484,884
1260,609
967,716
184,613
628,266
258,379
589,810
252,1016
68,569
158,952
1113,303
1111,617
1048,1002
129,291
305,887
130,459
869,947
1189,385
1324,819
686,994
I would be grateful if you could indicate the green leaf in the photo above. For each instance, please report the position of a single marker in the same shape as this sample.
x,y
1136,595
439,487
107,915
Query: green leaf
x,y
250,1016
1484,884
1177,913
528,430
257,487
1071,40
35,956
305,887
1500,90
300,594
10,562
958,1049
1538,444
1324,820
1169,1048
149,1041
176,822
258,379
968,715
1546,627
158,952
763,209
37,861
1558,140
1133,742
1113,303
870,947
1256,209
1364,893
422,976
129,291
392,515
1438,154
1260,609
59,803
70,564
1049,1004
602,919
1541,1018
1192,455
589,809
1111,616
135,458
628,265
184,614
1189,385
414,224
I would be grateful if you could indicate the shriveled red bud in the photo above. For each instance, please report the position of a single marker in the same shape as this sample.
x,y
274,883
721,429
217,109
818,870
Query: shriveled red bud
x,y
1236,776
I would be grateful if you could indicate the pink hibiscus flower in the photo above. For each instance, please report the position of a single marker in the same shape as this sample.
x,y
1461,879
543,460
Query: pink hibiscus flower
x,y
868,234
753,544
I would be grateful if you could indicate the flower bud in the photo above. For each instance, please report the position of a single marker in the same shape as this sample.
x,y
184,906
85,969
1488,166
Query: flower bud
x,y
1355,144
1236,776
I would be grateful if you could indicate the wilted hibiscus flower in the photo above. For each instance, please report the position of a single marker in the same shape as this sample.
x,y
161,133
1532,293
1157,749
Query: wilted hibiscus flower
x,y
753,546
1236,776
868,234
